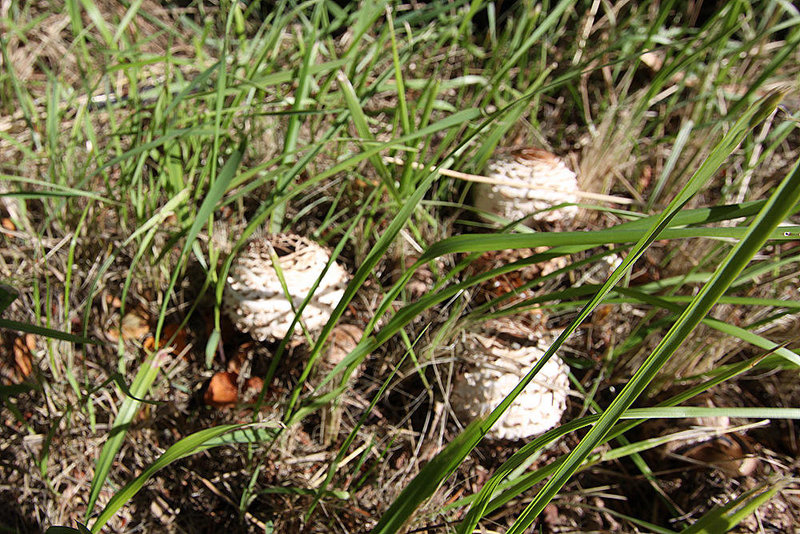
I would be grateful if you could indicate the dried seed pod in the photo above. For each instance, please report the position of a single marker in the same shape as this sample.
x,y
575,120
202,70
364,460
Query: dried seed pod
x,y
495,367
254,298
543,182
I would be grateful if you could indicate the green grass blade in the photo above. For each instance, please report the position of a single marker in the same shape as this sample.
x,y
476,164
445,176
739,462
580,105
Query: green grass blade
x,y
547,24
208,206
733,330
725,518
130,406
528,481
780,204
126,20
304,83
362,128
97,18
58,189
422,486
683,412
46,332
365,269
7,296
159,141
181,449
669,166
149,226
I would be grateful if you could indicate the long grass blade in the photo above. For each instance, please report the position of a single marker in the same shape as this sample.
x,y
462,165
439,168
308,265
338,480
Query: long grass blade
x,y
724,518
130,406
780,204
184,447
210,202
433,473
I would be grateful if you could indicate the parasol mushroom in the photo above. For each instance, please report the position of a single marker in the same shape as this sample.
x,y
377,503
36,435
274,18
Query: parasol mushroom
x,y
255,299
525,183
494,368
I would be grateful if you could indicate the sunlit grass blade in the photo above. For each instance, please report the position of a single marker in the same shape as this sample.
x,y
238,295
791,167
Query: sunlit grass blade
x,y
150,226
184,447
513,490
780,204
97,18
732,330
435,472
304,84
365,269
58,190
724,518
362,127
287,338
127,411
159,141
214,195
334,464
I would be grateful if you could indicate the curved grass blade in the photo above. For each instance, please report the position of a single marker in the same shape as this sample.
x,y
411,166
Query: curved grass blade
x,y
615,235
214,195
55,190
733,330
148,226
283,196
182,448
779,205
529,480
428,479
130,406
145,147
365,270
726,517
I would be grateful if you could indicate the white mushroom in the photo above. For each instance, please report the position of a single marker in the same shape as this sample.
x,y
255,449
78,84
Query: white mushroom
x,y
526,182
255,300
495,368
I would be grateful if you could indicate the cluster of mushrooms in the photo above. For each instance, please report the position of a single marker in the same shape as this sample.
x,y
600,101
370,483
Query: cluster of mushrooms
x,y
526,185
273,275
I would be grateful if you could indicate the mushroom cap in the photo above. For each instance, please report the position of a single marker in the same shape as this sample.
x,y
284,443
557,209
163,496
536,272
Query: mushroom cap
x,y
255,300
544,181
495,369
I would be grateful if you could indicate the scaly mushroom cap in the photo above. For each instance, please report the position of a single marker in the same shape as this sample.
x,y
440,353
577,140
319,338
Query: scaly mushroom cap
x,y
495,369
255,300
544,181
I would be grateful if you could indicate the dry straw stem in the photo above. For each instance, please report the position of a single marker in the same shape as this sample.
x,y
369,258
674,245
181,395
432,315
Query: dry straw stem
x,y
493,181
